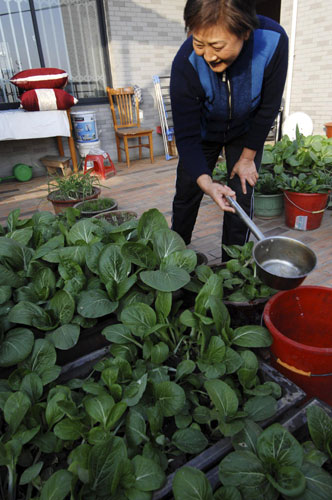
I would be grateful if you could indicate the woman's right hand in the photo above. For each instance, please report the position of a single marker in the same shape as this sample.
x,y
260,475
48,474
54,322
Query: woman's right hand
x,y
217,192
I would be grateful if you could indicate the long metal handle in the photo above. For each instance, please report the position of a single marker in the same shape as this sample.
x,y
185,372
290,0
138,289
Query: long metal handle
x,y
241,213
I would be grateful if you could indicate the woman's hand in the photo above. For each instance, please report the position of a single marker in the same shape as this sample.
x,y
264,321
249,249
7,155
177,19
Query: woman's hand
x,y
245,168
216,191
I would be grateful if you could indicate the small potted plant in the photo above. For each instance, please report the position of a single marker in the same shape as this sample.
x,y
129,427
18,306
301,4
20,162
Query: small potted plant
x,y
117,217
64,192
89,208
268,197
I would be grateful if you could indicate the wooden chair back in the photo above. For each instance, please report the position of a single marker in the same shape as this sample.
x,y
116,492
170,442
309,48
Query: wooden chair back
x,y
124,114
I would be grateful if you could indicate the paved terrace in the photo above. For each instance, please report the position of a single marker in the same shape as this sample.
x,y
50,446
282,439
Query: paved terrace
x,y
144,185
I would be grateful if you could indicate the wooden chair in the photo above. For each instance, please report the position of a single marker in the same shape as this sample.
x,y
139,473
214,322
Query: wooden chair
x,y
127,122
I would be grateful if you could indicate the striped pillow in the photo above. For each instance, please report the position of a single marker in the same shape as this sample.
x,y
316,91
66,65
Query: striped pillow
x,y
47,99
40,78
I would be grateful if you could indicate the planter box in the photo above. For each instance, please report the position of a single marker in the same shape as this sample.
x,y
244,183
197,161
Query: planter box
x,y
81,367
292,395
293,421
90,340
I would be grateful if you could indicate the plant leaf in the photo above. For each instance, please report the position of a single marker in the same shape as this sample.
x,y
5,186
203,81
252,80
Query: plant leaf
x,y
191,484
150,221
252,336
31,473
32,386
63,305
16,346
139,254
84,230
223,397
288,481
149,475
168,280
277,444
170,398
260,408
135,428
190,440
112,264
5,293
184,259
16,407
139,318
57,486
99,407
241,468
65,337
318,483
320,427
103,460
95,304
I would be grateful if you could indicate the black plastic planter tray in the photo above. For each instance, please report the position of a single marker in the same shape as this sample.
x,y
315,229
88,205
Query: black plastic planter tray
x,y
292,395
293,421
90,340
81,367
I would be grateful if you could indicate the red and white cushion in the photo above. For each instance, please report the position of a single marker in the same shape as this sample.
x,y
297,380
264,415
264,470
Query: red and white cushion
x,y
47,99
40,78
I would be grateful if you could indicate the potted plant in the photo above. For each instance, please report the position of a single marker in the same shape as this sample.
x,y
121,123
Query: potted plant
x,y
268,197
117,217
64,192
303,169
89,208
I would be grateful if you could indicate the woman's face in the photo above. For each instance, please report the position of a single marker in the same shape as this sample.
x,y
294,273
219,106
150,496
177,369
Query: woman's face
x,y
218,46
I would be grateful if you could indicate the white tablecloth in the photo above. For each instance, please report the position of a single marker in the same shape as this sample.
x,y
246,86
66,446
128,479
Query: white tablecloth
x,y
21,124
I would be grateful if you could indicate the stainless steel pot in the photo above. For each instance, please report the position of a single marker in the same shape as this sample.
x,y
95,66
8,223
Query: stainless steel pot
x,y
282,263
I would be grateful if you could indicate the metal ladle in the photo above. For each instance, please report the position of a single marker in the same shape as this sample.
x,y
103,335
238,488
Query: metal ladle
x,y
281,262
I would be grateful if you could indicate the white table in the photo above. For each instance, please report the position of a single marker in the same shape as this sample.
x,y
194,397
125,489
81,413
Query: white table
x,y
18,124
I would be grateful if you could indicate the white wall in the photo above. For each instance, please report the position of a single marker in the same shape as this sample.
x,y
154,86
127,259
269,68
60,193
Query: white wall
x,y
312,74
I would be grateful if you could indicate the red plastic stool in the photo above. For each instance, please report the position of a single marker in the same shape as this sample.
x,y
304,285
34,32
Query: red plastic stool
x,y
99,167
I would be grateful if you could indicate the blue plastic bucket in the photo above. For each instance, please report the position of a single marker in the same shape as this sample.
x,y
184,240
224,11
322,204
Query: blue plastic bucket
x,y
84,126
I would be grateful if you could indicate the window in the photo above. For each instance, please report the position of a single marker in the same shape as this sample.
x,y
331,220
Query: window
x,y
65,34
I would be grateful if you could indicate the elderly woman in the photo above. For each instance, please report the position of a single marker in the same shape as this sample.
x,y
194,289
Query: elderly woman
x,y
227,82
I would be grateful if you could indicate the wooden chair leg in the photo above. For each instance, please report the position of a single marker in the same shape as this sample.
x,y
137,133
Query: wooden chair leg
x,y
125,140
151,147
140,147
117,140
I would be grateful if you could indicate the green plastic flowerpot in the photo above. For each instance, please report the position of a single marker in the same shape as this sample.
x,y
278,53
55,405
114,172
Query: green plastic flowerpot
x,y
268,205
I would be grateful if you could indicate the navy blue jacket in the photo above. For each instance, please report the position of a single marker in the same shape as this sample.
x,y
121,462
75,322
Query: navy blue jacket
x,y
218,107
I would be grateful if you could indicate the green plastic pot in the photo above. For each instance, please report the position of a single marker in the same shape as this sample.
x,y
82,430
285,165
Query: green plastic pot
x,y
268,205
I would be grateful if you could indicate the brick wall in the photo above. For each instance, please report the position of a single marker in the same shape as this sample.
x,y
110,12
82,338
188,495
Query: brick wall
x,y
144,38
312,74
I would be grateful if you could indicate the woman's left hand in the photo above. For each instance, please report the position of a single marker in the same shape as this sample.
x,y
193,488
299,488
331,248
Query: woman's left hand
x,y
246,170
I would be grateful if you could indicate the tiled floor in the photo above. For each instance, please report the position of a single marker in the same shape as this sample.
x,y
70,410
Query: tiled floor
x,y
144,186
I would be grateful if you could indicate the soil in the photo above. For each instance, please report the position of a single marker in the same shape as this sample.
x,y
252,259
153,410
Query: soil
x,y
118,217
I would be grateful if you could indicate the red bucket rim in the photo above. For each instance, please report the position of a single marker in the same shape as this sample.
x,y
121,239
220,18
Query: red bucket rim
x,y
268,322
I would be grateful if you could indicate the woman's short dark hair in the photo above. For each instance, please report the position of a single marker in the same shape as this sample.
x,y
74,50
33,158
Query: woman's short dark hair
x,y
238,16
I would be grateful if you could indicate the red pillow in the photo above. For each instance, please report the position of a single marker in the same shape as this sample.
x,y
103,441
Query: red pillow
x,y
47,99
40,78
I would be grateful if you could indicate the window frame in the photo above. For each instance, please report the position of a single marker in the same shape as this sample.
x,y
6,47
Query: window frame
x,y
101,11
